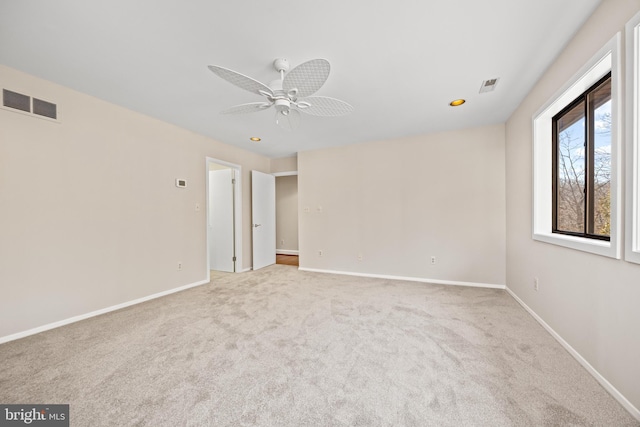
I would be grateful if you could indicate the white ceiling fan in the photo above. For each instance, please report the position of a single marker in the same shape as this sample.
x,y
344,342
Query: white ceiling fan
x,y
290,94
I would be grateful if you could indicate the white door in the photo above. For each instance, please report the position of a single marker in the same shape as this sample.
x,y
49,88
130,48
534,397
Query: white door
x,y
221,224
263,216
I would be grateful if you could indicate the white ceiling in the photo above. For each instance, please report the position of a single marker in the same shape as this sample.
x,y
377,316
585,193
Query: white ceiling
x,y
399,63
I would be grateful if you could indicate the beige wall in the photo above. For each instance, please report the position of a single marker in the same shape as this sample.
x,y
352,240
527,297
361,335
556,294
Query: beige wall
x,y
284,164
90,216
591,301
287,212
399,202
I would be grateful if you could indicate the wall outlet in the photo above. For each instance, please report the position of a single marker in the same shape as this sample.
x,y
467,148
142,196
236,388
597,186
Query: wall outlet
x,y
282,242
360,257
179,266
433,260
319,252
535,283
306,209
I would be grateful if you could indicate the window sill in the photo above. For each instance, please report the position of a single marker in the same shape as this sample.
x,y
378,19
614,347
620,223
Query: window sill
x,y
594,246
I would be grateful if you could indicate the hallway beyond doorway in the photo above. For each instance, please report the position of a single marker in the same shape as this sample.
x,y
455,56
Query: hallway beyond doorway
x,y
287,260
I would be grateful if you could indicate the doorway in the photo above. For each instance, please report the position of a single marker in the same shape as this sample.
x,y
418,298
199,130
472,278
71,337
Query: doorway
x,y
223,216
287,252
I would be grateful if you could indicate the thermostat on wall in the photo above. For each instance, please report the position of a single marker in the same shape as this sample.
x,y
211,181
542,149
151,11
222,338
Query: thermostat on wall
x,y
181,183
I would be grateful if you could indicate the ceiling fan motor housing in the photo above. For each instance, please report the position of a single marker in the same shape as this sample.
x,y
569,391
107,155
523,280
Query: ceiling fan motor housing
x,y
281,101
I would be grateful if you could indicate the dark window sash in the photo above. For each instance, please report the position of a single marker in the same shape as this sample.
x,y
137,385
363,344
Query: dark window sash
x,y
589,105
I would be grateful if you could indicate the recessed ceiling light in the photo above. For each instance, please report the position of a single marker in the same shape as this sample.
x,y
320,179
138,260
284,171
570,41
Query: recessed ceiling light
x,y
457,102
255,139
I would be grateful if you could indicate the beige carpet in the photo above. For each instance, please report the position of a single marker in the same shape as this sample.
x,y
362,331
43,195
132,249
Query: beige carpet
x,y
280,347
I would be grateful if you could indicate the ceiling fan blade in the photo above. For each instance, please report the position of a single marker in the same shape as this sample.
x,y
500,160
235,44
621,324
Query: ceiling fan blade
x,y
307,78
251,107
289,121
240,80
324,106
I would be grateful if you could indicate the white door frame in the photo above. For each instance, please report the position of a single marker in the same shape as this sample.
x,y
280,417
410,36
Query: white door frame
x,y
237,210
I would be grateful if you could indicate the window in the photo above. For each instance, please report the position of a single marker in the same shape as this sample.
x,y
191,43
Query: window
x,y
581,135
576,156
632,228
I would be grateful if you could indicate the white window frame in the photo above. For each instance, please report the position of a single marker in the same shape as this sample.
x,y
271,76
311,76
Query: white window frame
x,y
632,213
607,59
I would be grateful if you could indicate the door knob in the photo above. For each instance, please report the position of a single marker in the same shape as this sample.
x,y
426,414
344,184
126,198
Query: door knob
x,y
257,225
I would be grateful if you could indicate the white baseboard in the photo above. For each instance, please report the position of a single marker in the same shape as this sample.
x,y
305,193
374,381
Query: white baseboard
x,y
286,252
410,279
74,319
602,380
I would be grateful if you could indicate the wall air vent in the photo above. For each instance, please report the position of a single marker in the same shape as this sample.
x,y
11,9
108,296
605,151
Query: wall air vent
x,y
21,103
489,85
16,100
44,108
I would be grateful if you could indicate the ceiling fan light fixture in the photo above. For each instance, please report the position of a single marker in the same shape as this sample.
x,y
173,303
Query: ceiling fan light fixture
x,y
457,102
282,106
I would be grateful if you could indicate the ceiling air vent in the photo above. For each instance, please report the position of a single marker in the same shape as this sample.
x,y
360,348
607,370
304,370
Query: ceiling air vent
x,y
489,85
16,100
32,106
